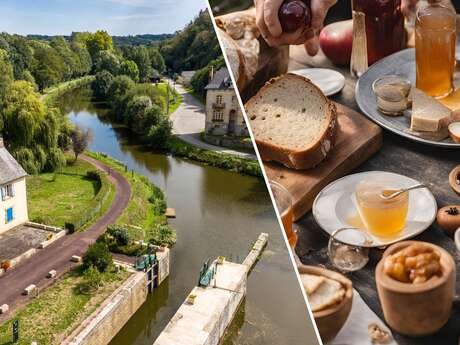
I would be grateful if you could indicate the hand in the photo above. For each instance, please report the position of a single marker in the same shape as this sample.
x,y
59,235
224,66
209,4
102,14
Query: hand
x,y
270,27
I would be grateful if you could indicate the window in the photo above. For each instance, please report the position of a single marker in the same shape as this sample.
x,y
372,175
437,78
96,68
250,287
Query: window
x,y
218,115
219,99
7,191
9,216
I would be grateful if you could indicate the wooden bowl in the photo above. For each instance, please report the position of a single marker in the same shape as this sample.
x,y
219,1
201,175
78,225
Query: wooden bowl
x,y
416,309
331,320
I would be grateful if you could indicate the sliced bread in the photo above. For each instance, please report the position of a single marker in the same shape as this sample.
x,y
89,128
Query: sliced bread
x,y
428,115
311,282
293,122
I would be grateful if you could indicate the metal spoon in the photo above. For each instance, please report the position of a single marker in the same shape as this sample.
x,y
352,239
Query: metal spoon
x,y
402,190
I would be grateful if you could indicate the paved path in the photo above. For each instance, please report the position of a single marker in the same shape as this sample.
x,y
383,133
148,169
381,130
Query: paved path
x,y
57,255
189,121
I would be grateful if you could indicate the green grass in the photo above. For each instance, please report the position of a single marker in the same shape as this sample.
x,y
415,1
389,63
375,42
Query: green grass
x,y
174,98
217,159
55,198
52,316
141,216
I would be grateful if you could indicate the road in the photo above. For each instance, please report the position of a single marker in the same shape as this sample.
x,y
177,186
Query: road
x,y
57,255
189,121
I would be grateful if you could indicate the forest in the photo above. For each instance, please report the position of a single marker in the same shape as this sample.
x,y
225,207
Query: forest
x,y
37,134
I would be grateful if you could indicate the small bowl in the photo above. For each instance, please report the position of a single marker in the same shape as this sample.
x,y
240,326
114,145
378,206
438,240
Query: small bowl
x,y
331,320
416,309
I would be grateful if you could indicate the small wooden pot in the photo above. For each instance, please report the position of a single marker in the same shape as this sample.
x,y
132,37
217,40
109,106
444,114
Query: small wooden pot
x,y
417,309
331,320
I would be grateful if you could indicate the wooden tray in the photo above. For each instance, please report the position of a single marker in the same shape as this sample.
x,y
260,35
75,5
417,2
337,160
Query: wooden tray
x,y
358,139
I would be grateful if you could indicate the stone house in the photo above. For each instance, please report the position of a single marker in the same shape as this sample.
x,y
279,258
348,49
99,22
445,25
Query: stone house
x,y
223,112
13,197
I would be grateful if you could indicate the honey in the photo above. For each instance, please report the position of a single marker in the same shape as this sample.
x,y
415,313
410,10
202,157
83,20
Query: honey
x,y
435,49
287,218
382,218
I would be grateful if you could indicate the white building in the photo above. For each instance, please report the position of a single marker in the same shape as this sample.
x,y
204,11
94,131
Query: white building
x,y
13,197
223,112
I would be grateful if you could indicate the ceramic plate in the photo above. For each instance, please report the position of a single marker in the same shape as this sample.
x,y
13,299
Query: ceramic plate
x,y
328,80
401,63
335,204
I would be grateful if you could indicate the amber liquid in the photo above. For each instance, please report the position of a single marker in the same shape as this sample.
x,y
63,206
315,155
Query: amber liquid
x,y
435,52
382,218
384,27
288,218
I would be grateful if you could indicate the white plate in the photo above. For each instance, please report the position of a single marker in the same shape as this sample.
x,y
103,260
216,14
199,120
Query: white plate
x,y
335,204
328,80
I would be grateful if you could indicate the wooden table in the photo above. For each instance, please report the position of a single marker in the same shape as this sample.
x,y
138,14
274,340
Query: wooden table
x,y
399,155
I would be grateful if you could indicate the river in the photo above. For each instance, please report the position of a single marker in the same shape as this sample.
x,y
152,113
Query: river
x,y
218,213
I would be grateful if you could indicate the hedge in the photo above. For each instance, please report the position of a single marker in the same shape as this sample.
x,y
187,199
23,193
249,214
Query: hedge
x,y
95,205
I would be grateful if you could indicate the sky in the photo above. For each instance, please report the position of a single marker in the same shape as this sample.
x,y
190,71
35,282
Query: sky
x,y
118,17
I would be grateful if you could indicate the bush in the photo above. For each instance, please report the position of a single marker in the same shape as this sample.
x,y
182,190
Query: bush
x,y
164,235
158,200
92,280
98,255
120,234
93,175
101,85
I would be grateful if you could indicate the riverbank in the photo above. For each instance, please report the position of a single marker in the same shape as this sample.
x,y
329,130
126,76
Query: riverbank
x,y
217,159
52,94
144,217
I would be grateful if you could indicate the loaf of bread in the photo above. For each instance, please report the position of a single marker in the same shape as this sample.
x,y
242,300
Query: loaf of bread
x,y
293,122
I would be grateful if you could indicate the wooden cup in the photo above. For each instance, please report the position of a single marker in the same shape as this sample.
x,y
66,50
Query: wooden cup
x,y
417,309
331,320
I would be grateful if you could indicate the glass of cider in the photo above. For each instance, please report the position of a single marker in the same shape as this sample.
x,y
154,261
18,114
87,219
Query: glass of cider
x,y
435,40
382,218
283,201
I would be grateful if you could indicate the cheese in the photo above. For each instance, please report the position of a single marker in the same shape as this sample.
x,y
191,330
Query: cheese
x,y
428,115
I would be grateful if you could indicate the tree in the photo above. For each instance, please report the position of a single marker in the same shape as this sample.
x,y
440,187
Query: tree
x,y
82,57
101,85
92,280
117,95
98,255
6,75
68,57
106,60
140,55
156,59
98,41
158,127
135,113
81,138
130,69
48,68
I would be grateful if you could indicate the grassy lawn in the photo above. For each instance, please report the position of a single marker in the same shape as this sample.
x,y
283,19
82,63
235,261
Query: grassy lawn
x,y
52,316
56,198
174,98
142,216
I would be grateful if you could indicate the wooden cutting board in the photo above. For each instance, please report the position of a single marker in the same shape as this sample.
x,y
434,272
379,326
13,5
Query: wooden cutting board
x,y
357,140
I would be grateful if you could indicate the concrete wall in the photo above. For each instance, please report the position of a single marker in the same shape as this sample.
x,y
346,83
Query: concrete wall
x,y
205,321
101,326
230,101
163,265
19,204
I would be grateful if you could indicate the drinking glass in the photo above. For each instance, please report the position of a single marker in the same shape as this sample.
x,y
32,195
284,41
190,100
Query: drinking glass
x,y
283,200
435,40
348,249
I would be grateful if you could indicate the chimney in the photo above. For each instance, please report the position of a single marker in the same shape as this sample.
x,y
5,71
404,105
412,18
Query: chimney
x,y
2,145
211,73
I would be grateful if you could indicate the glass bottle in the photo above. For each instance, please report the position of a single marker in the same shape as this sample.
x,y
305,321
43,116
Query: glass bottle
x,y
435,39
378,30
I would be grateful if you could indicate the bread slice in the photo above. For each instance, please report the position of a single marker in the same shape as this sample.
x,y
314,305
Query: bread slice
x,y
329,293
311,282
428,115
293,122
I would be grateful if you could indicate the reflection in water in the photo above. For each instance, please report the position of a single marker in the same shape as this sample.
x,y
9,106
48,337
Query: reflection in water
x,y
218,213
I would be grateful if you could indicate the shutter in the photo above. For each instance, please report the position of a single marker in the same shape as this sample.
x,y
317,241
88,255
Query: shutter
x,y
3,193
12,190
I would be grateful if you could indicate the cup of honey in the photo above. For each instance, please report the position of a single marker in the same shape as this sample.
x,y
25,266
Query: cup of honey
x,y
382,217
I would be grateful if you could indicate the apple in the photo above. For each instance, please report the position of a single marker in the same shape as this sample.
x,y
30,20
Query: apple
x,y
336,41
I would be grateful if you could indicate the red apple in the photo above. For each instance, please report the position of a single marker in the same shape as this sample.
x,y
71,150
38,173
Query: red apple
x,y
336,41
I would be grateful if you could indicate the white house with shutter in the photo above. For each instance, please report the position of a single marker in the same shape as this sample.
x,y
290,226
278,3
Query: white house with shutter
x,y
13,200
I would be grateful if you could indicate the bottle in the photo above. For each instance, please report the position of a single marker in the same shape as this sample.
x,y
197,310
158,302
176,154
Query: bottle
x,y
378,31
435,40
